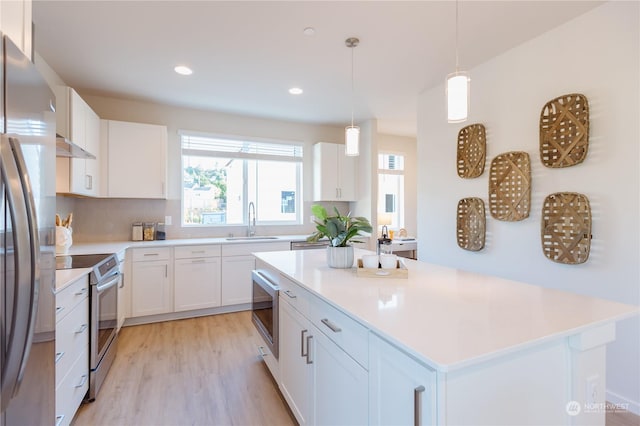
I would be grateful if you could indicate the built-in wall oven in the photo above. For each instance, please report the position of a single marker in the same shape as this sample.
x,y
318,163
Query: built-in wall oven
x,y
264,309
104,279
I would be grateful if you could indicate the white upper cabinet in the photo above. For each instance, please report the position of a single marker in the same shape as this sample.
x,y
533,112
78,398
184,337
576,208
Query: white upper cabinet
x,y
15,22
76,121
136,163
334,174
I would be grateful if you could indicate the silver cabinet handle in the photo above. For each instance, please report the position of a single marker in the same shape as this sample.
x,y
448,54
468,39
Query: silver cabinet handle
x,y
308,354
291,295
59,356
417,405
302,354
166,271
59,309
59,419
81,292
261,352
331,325
82,328
198,260
151,254
83,380
197,251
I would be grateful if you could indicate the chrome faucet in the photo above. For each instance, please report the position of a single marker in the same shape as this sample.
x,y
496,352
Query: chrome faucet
x,y
251,228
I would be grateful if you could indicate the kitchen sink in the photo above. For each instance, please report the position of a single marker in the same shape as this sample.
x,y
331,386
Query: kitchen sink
x,y
250,238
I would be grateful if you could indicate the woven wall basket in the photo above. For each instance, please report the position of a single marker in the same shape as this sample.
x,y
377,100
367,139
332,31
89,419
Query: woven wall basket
x,y
564,131
471,224
566,227
510,186
472,148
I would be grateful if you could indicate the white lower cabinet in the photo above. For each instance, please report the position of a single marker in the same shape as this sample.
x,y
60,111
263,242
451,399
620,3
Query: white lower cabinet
x,y
340,384
72,348
196,277
321,382
296,378
236,279
152,291
402,391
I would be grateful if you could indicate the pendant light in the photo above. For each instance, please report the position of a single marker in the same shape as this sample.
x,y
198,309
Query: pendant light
x,y
457,89
352,133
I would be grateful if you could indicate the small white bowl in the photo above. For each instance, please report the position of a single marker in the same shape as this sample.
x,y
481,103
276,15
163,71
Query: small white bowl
x,y
388,261
370,261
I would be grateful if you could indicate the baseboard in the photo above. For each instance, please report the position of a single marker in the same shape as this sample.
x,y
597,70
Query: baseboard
x,y
186,314
623,403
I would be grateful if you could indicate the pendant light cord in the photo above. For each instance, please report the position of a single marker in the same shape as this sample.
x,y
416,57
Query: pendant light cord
x,y
352,85
456,36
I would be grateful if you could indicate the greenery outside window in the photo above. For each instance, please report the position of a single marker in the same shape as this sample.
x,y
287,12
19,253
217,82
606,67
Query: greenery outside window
x,y
391,187
222,175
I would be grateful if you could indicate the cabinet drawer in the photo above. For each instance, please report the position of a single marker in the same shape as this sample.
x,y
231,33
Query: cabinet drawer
x,y
71,391
185,252
244,249
347,333
71,296
72,338
295,295
151,253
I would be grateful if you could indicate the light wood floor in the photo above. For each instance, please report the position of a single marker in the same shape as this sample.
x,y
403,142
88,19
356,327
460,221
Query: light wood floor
x,y
200,371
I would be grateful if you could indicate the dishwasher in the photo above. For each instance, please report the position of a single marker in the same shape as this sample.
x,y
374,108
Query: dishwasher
x,y
306,245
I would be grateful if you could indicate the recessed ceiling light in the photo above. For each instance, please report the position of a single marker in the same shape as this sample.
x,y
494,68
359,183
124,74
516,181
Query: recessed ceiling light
x,y
183,70
309,31
295,91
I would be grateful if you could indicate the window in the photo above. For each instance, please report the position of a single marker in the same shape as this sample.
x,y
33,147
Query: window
x,y
391,187
222,175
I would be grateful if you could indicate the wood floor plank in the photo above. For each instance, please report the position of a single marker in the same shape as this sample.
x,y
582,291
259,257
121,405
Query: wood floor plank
x,y
198,371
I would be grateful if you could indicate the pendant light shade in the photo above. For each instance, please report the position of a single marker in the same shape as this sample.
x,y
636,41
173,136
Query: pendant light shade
x,y
352,133
457,97
457,89
352,141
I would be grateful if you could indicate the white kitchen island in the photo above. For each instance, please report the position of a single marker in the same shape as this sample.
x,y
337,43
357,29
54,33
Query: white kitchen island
x,y
443,347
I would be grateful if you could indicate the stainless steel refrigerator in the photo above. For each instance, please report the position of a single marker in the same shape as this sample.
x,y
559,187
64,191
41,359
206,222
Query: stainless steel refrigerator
x,y
27,250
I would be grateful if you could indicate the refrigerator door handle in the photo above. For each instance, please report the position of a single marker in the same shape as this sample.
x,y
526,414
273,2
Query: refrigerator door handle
x,y
20,207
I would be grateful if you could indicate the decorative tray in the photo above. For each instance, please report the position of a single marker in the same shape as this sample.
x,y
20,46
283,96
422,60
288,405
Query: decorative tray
x,y
401,271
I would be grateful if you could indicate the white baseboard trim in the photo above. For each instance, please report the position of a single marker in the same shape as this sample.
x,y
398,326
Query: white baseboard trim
x,y
631,406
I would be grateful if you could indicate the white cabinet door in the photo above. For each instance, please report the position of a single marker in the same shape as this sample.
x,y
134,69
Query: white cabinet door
x,y
137,160
196,283
334,176
236,279
152,290
341,391
80,124
15,22
296,374
402,391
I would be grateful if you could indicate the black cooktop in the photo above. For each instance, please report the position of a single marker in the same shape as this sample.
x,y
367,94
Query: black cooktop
x,y
79,260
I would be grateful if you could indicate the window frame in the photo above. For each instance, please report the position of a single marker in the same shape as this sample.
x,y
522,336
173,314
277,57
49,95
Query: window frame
x,y
298,158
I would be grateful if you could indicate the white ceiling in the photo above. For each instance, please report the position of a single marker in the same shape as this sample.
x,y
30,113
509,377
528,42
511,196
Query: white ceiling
x,y
246,55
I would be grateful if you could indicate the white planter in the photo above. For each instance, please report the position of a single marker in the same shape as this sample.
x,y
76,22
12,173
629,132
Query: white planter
x,y
340,257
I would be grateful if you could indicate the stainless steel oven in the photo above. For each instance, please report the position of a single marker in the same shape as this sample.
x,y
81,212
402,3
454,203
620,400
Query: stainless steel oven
x,y
264,309
103,322
104,279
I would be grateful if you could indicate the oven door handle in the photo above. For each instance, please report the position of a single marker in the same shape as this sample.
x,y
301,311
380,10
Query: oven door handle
x,y
263,279
112,282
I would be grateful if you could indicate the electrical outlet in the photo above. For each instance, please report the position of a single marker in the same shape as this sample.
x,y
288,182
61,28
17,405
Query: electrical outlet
x,y
167,220
593,384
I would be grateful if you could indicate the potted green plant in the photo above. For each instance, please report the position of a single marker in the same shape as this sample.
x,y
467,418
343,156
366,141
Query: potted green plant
x,y
340,230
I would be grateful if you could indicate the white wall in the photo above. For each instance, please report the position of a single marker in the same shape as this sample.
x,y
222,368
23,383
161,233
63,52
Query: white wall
x,y
596,54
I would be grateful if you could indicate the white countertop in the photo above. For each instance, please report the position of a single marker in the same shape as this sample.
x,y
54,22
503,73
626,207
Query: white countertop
x,y
64,277
117,246
446,317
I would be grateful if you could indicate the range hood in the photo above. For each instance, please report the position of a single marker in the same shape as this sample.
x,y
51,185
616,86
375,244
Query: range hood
x,y
66,148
